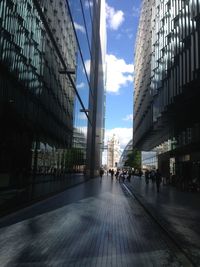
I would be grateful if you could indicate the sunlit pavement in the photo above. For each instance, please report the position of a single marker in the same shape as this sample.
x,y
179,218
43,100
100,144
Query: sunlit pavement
x,y
93,224
178,212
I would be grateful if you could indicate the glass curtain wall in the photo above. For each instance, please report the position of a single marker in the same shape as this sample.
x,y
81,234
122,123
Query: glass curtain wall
x,y
89,23
167,100
37,102
45,89
81,14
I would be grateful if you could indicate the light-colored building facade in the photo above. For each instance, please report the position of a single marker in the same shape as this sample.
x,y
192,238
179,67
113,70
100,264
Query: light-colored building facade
x,y
113,152
167,74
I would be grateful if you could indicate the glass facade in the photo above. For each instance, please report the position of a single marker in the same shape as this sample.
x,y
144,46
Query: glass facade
x,y
166,83
124,156
149,160
87,16
46,88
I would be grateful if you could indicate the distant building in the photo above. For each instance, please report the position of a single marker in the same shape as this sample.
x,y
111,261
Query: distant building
x,y
113,152
124,156
167,78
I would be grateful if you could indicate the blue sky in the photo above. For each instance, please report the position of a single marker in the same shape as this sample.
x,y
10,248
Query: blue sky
x,y
122,22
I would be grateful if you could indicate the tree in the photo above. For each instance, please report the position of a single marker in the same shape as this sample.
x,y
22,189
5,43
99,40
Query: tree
x,y
134,159
74,157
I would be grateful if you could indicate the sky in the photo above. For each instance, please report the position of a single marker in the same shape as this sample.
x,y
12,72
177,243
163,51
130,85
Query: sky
x,y
122,21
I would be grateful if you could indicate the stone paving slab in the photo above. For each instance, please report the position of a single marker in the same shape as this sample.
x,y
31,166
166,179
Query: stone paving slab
x,y
93,224
176,210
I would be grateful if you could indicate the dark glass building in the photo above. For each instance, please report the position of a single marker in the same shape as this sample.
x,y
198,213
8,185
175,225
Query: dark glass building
x,y
49,100
167,67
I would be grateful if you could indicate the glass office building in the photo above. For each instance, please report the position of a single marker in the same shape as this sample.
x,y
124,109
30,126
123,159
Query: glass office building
x,y
166,111
48,98
124,156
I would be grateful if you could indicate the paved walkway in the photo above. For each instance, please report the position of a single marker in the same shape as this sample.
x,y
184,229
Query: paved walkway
x,y
12,199
178,212
93,224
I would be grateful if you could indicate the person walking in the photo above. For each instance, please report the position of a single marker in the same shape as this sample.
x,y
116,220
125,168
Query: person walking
x,y
117,174
129,175
147,176
112,174
152,175
101,173
158,180
140,173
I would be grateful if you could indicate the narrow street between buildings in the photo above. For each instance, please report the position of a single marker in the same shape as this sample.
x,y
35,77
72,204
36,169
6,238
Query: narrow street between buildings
x,y
97,223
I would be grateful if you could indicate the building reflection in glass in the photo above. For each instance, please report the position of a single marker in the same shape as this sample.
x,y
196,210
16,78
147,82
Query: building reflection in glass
x,y
43,132
166,91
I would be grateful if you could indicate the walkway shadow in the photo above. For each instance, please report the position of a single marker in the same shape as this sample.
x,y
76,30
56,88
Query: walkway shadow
x,y
89,189
31,255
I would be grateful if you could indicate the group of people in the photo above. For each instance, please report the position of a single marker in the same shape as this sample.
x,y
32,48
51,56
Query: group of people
x,y
119,174
154,176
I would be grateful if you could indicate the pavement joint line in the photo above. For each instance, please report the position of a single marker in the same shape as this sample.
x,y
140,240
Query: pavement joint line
x,y
156,220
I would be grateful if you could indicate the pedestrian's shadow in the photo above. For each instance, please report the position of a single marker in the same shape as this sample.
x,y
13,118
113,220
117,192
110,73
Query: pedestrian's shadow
x,y
32,254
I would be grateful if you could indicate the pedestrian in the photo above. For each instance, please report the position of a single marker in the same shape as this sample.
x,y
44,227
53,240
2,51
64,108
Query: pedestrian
x,y
117,174
152,175
147,176
124,175
121,177
129,175
101,173
112,173
140,173
158,179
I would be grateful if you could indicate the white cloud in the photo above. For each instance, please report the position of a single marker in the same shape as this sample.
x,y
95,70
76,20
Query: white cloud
x,y
119,73
130,36
128,117
79,27
82,116
136,11
80,85
118,36
88,3
87,66
114,17
129,33
84,130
